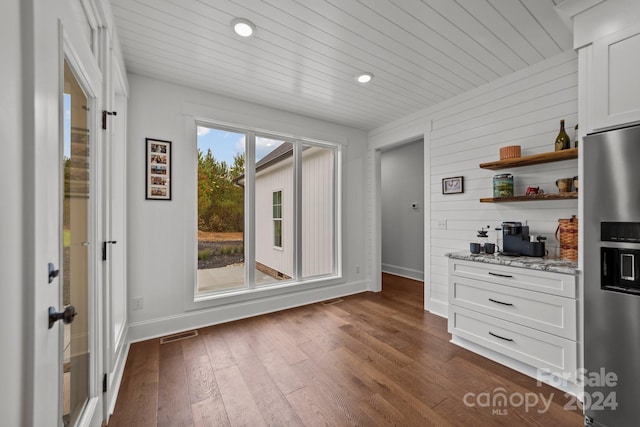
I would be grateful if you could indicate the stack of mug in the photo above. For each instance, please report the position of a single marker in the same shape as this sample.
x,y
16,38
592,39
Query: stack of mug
x,y
488,248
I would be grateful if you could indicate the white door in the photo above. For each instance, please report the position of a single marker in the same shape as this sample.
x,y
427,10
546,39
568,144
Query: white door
x,y
59,37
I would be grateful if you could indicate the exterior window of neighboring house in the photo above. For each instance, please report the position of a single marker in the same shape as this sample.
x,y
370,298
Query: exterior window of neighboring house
x,y
247,185
277,219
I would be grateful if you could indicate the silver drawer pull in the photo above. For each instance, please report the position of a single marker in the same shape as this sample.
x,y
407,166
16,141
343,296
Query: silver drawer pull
x,y
502,338
500,302
501,275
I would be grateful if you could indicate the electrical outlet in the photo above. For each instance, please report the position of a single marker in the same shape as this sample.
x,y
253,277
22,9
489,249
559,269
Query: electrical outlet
x,y
137,303
442,224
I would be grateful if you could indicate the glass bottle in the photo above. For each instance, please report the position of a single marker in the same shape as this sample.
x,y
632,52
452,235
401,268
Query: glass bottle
x,y
562,140
576,136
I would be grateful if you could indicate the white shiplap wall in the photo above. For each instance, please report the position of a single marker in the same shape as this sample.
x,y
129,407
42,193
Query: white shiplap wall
x,y
523,109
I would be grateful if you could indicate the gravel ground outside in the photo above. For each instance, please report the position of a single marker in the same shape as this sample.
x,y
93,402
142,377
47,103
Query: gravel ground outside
x,y
217,259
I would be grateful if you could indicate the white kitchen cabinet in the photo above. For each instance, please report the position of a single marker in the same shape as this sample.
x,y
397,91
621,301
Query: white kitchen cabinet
x,y
615,82
524,318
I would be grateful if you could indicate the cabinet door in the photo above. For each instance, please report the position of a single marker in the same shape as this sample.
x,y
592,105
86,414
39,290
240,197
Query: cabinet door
x,y
616,64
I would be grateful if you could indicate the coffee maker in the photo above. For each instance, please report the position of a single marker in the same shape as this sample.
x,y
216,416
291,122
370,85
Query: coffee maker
x,y
515,241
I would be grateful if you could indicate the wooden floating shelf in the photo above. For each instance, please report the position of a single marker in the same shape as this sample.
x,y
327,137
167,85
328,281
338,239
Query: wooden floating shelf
x,y
553,196
534,159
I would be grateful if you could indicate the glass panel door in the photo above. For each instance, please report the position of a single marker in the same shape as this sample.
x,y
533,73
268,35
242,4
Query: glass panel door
x,y
75,232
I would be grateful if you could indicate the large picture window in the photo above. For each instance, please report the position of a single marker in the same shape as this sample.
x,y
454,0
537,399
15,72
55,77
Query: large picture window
x,y
266,210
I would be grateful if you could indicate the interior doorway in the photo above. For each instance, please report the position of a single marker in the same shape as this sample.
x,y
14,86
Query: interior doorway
x,y
402,205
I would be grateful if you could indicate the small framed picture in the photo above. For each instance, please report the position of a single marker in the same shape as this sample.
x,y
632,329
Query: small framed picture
x,y
452,185
158,171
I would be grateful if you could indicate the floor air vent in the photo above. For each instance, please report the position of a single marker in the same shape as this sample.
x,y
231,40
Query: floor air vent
x,y
332,301
178,337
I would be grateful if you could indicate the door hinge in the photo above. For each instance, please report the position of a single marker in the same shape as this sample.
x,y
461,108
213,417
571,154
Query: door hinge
x,y
106,113
104,383
104,248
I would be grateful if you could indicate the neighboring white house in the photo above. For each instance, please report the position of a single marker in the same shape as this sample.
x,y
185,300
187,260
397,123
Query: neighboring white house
x,y
274,211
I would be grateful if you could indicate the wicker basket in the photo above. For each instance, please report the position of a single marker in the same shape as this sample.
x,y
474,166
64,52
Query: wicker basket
x,y
510,152
568,230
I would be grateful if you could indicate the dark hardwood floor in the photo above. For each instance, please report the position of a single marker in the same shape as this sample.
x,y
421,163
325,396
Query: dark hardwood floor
x,y
367,360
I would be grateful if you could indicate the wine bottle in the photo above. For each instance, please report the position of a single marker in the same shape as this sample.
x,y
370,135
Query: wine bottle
x,y
562,140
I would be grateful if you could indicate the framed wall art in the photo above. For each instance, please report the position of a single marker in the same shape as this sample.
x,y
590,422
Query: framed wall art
x,y
452,185
158,171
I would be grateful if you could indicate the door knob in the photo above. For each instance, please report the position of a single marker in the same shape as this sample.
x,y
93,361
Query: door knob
x,y
66,316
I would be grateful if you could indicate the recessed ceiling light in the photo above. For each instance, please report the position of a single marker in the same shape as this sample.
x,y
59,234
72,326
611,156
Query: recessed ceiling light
x,y
243,27
364,78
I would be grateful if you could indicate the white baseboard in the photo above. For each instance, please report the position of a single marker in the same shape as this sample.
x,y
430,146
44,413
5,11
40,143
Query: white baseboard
x,y
439,308
409,273
148,329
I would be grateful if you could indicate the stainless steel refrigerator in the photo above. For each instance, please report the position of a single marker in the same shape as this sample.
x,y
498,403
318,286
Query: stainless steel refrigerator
x,y
611,187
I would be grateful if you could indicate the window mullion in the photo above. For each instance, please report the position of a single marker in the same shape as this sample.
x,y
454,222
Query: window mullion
x,y
297,210
250,211
337,210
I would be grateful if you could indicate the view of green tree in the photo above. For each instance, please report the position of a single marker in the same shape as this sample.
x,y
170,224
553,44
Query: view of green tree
x,y
220,199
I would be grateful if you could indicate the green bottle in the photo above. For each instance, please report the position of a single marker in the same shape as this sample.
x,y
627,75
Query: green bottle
x,y
562,140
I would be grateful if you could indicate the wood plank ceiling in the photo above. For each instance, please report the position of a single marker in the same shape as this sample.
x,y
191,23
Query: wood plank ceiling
x,y
306,53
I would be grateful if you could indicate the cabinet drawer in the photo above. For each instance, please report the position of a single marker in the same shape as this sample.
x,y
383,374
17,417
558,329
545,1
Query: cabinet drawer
x,y
535,348
544,312
524,278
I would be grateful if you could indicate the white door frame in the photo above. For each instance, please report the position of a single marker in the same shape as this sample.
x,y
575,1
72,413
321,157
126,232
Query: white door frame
x,y
384,141
114,186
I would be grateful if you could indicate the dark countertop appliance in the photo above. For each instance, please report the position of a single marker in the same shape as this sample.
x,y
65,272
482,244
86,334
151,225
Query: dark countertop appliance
x,y
515,241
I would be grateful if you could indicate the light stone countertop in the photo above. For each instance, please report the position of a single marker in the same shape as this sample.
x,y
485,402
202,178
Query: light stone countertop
x,y
535,263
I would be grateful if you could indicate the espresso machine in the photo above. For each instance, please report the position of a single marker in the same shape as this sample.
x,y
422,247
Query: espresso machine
x,y
516,241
